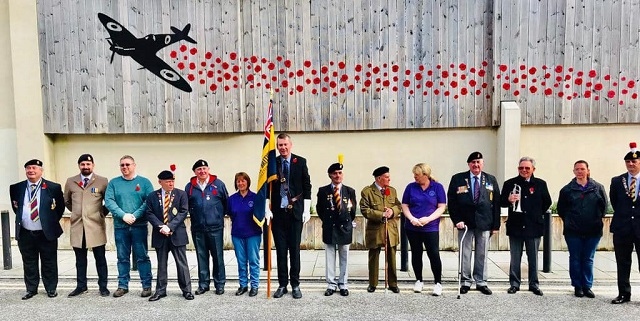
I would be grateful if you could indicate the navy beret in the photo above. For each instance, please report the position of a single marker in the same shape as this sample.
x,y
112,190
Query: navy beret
x,y
33,162
334,167
85,158
473,156
199,163
380,170
166,175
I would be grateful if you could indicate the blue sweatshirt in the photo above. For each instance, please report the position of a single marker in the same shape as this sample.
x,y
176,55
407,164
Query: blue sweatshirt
x,y
127,196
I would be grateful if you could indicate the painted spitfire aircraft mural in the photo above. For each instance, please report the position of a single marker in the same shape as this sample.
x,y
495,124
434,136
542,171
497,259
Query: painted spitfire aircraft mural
x,y
143,50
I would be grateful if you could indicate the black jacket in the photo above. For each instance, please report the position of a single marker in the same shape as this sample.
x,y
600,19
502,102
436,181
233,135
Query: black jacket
x,y
485,215
626,213
337,225
50,208
534,202
299,187
581,209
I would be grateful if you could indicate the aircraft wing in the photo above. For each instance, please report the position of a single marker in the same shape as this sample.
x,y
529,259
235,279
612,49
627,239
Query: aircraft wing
x,y
161,69
118,33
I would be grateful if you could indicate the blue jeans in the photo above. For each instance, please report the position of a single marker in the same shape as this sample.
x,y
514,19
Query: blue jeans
x,y
582,249
127,238
248,253
209,243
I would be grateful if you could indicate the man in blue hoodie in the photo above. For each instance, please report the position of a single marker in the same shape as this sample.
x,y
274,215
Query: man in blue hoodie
x,y
207,206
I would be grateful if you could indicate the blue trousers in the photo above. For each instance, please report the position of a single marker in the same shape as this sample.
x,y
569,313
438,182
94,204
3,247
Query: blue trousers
x,y
248,255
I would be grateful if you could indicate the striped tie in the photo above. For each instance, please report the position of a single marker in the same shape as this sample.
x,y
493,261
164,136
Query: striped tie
x,y
336,197
34,204
632,189
167,204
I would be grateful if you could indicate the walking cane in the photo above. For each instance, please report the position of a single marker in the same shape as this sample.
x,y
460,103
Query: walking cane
x,y
386,273
460,259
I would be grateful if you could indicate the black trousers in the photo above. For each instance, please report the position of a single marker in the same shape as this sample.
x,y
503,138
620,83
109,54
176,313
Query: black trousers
x,y
81,265
35,247
431,243
287,232
180,257
623,248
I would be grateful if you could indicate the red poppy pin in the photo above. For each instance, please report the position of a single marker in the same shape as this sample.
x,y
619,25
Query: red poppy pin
x,y
137,187
80,184
44,185
295,160
387,192
531,190
215,192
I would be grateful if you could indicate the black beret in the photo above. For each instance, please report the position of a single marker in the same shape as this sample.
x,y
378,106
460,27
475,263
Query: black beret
x,y
633,154
380,170
199,163
473,156
33,162
85,158
166,175
334,167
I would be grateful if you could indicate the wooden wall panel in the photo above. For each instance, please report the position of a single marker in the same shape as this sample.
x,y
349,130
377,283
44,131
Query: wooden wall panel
x,y
341,65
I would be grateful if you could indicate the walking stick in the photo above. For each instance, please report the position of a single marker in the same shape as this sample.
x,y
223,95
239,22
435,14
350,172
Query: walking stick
x,y
386,273
460,259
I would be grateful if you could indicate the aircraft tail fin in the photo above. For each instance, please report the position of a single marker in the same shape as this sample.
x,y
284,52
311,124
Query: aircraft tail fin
x,y
184,33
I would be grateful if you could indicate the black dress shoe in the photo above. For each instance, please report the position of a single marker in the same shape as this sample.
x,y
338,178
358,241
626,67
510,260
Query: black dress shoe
x,y
513,289
52,294
588,293
329,292
29,295
219,291
484,289
280,292
104,292
371,289
296,293
188,296
394,289
536,291
242,290
578,292
253,292
156,296
464,289
621,299
201,291
77,291
344,292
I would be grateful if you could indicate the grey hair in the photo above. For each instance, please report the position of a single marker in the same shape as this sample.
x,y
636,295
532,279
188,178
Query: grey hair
x,y
527,159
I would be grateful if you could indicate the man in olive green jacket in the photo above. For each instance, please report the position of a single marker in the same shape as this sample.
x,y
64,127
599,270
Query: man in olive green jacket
x,y
379,204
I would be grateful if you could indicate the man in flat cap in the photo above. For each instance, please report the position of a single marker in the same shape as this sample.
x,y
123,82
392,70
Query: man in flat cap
x,y
336,207
84,197
379,204
125,200
38,205
474,202
290,209
625,224
207,206
166,209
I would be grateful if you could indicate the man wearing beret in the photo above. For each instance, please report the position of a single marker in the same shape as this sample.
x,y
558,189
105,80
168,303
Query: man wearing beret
x,y
290,209
166,209
38,205
125,200
336,207
379,204
474,202
208,205
84,197
625,224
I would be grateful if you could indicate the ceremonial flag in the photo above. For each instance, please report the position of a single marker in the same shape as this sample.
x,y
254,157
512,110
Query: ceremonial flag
x,y
267,171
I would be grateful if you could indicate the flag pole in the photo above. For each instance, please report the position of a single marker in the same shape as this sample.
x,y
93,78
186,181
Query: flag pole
x,y
269,249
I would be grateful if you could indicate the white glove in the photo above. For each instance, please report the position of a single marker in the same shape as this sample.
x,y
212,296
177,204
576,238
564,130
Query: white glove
x,y
306,213
268,215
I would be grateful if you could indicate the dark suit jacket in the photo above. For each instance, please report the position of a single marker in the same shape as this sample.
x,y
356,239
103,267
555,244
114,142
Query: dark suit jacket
x,y
485,215
337,225
177,214
626,214
50,207
534,201
299,184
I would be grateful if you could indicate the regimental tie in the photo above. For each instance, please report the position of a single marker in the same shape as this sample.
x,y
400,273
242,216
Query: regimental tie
x,y
336,197
632,189
34,203
476,189
284,187
86,182
167,204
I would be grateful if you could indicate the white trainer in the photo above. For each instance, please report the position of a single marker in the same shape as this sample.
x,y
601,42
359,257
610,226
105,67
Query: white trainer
x,y
417,288
437,289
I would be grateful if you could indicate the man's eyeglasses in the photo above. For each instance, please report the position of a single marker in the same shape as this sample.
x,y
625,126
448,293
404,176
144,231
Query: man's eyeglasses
x,y
125,164
523,168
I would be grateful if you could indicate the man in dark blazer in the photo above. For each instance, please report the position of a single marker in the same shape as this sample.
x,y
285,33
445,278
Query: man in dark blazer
x,y
290,209
38,205
625,224
474,202
336,207
166,210
525,226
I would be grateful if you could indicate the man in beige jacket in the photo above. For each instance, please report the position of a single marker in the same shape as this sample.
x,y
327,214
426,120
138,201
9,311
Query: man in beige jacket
x,y
83,196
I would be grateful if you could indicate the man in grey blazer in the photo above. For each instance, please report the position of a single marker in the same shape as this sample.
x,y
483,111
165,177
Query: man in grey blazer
x,y
166,210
